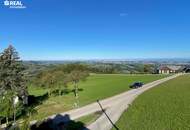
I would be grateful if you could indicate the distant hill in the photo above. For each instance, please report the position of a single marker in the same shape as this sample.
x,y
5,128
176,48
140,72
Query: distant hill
x,y
107,66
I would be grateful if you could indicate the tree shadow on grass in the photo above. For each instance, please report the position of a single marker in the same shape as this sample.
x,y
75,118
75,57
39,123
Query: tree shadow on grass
x,y
79,90
59,122
37,100
65,92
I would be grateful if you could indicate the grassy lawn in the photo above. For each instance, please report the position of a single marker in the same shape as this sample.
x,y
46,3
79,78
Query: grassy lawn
x,y
97,86
166,107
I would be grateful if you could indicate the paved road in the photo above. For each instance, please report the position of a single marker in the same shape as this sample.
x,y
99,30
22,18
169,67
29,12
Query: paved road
x,y
114,106
118,104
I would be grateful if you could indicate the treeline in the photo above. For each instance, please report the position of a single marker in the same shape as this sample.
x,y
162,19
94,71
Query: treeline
x,y
57,78
99,68
113,68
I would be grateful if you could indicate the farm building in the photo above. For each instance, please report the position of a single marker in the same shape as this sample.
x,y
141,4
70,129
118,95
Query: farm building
x,y
169,69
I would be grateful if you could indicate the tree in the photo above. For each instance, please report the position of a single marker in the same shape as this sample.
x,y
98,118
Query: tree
x,y
51,79
12,77
70,67
149,68
7,106
75,77
59,76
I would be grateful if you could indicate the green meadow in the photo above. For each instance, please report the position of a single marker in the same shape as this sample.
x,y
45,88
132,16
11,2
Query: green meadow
x,y
97,86
165,107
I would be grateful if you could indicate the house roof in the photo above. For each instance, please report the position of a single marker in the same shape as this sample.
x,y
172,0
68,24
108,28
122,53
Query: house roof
x,y
164,68
171,67
174,67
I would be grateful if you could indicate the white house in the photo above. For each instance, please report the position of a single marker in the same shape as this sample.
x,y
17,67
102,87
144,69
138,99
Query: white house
x,y
169,69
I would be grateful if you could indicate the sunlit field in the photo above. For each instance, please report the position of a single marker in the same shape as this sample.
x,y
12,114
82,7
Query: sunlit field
x,y
165,107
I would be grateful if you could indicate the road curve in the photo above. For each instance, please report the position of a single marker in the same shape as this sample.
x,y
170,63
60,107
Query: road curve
x,y
114,106
118,104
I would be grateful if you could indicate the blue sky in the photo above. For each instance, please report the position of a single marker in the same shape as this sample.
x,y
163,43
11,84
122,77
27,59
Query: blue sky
x,y
97,29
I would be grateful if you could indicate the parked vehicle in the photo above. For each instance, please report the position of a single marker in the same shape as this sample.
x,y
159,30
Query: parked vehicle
x,y
136,85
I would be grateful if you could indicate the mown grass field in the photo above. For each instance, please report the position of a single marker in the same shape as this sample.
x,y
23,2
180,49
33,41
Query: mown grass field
x,y
165,107
97,86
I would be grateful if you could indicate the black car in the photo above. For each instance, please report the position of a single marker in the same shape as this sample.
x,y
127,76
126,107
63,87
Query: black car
x,y
136,85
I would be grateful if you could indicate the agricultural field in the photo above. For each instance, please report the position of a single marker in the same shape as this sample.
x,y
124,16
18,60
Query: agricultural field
x,y
165,107
97,86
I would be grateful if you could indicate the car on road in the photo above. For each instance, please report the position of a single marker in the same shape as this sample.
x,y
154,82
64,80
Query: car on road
x,y
136,85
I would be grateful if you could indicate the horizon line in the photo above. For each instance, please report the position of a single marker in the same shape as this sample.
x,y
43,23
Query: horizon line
x,y
107,59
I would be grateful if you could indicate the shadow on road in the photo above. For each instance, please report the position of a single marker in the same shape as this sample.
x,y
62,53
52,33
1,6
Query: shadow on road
x,y
59,122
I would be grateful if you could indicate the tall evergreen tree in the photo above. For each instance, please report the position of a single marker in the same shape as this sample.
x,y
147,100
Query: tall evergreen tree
x,y
12,78
12,72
